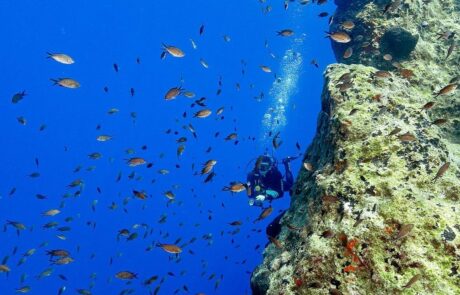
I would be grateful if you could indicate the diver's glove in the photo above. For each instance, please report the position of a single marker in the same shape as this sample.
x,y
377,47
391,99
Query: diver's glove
x,y
271,193
251,202
260,198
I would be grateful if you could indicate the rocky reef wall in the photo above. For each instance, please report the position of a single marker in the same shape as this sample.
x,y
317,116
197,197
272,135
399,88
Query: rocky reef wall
x,y
377,208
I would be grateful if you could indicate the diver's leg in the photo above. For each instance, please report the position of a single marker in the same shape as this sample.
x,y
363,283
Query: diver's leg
x,y
288,175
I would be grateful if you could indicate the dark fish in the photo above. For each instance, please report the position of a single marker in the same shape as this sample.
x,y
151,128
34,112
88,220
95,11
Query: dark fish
x,y
442,170
406,137
412,281
404,230
18,97
449,89
115,67
394,131
428,105
276,144
439,121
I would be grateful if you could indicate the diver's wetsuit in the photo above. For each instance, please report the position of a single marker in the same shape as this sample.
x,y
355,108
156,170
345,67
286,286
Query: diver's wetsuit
x,y
273,180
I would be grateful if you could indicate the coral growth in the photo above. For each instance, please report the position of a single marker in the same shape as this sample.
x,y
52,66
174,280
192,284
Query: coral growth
x,y
379,213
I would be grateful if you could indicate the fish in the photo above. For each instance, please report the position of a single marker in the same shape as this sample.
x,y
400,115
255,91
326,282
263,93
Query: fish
x,y
407,137
170,195
173,51
61,58
285,33
382,74
95,156
202,113
308,166
51,212
125,275
194,46
189,94
315,63
163,171
4,268
266,69
18,97
276,144
348,53
133,162
209,177
428,105
395,131
442,170
103,138
139,195
235,223
447,90
66,83
173,93
231,136
204,63
451,49
180,150
63,261
264,214
404,231
439,121
21,120
388,57
339,37
235,187
24,289
219,111
58,253
170,248
347,25
412,281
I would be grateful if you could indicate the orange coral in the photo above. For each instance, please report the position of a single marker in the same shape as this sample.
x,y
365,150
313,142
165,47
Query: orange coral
x,y
350,268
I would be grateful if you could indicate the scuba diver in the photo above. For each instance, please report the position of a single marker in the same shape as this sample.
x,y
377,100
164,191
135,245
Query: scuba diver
x,y
265,181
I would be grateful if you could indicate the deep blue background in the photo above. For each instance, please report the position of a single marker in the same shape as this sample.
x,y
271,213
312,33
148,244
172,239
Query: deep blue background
x,y
98,34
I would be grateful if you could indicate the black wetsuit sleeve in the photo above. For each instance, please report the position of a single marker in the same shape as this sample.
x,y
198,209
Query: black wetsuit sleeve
x,y
276,182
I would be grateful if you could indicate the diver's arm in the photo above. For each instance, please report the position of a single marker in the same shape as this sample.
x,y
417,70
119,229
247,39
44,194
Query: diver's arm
x,y
276,185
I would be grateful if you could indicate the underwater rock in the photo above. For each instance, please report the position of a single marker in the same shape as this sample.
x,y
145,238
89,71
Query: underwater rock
x,y
260,281
398,42
380,212
448,234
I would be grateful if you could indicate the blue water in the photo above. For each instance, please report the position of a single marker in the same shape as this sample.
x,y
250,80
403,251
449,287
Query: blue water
x,y
98,34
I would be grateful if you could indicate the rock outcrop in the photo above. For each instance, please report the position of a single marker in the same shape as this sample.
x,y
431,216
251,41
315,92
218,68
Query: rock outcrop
x,y
377,210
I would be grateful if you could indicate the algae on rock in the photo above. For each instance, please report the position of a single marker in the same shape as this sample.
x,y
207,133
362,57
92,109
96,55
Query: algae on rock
x,y
373,218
